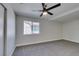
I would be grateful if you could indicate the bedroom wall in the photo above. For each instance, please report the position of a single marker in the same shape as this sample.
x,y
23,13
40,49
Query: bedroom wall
x,y
71,30
49,31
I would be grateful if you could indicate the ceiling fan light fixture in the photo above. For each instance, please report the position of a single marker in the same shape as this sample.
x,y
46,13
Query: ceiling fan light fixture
x,y
44,13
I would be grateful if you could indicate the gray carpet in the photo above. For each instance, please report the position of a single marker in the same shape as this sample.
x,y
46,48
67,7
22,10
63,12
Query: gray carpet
x,y
55,48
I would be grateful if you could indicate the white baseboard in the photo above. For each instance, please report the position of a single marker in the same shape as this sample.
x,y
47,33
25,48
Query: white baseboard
x,y
23,44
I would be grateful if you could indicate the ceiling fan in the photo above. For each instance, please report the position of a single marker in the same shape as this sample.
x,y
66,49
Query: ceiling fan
x,y
46,10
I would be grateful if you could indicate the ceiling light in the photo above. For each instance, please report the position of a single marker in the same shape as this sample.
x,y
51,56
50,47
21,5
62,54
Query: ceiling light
x,y
44,13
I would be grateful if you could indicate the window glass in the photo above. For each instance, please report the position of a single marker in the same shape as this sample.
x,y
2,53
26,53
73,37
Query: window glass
x,y
35,28
27,27
31,27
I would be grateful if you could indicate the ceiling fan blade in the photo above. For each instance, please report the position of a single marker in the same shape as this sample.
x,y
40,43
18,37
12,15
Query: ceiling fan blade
x,y
41,14
57,5
50,13
43,5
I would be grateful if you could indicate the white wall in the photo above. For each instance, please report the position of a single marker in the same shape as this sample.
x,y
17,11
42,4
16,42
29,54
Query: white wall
x,y
10,31
71,30
49,31
1,30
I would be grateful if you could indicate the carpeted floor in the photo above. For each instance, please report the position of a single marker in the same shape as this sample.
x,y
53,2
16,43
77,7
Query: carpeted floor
x,y
55,48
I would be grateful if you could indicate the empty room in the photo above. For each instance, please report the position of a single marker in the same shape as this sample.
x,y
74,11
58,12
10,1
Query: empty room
x,y
39,29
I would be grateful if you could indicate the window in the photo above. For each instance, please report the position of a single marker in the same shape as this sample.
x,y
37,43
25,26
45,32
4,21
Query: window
x,y
27,27
35,29
31,27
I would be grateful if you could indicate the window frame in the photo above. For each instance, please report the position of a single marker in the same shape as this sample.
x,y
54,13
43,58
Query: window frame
x,y
32,26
